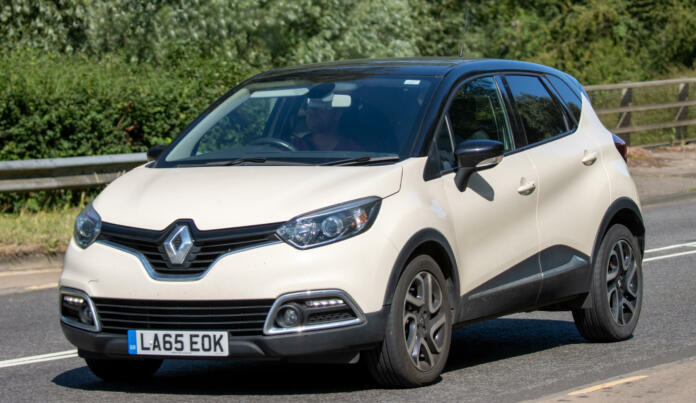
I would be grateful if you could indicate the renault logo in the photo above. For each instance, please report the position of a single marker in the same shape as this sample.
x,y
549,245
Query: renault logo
x,y
178,244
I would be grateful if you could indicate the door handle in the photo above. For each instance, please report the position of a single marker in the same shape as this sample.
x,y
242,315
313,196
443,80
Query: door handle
x,y
589,158
526,187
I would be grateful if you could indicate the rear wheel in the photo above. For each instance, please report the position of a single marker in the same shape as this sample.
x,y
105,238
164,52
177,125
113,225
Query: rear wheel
x,y
123,370
419,329
617,289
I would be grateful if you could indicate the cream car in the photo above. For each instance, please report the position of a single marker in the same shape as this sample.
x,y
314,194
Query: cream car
x,y
358,211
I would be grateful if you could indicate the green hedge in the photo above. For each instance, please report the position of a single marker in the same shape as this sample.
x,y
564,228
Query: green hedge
x,y
54,105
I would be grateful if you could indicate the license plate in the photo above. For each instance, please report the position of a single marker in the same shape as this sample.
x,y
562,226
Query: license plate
x,y
182,343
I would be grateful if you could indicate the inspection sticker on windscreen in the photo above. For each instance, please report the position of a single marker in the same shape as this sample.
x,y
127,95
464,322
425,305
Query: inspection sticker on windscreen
x,y
174,342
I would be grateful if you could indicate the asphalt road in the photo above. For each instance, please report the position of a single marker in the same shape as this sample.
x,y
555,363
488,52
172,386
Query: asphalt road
x,y
525,356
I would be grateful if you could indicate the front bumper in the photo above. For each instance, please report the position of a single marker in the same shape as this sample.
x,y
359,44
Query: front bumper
x,y
326,345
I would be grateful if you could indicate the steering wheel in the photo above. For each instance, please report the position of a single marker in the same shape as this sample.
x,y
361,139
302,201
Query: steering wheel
x,y
272,141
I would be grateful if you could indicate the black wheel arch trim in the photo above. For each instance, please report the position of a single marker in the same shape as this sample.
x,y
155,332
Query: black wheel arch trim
x,y
419,239
610,216
622,203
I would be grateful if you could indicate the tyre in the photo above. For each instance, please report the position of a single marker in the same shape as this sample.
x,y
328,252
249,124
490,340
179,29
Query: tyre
x,y
419,329
123,370
617,289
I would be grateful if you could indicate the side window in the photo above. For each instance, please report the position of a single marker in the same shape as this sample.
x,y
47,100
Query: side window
x,y
477,113
445,151
541,116
569,97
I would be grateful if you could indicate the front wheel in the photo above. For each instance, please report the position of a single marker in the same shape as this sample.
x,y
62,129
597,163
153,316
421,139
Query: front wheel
x,y
419,329
123,370
617,289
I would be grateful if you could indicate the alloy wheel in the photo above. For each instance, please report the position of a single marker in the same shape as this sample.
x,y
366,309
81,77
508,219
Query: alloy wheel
x,y
622,282
424,321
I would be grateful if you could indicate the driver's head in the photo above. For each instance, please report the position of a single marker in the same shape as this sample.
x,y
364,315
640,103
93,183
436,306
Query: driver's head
x,y
323,119
322,115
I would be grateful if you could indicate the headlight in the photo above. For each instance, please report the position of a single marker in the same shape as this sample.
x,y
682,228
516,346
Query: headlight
x,y
87,227
331,224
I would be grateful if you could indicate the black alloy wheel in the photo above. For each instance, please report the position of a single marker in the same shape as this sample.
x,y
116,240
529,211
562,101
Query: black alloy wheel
x,y
616,294
622,282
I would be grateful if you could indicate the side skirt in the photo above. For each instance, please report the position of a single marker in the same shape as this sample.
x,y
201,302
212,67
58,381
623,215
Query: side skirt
x,y
556,274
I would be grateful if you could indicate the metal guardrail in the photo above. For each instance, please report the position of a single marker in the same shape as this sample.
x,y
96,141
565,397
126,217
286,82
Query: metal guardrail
x,y
65,173
81,172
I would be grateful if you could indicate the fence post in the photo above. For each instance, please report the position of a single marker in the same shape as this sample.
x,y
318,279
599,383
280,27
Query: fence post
x,y
625,117
682,113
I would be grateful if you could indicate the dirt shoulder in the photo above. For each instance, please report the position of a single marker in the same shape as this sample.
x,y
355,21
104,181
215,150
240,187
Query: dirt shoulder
x,y
663,173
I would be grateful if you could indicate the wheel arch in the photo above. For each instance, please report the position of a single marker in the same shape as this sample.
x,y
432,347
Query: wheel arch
x,y
429,242
622,211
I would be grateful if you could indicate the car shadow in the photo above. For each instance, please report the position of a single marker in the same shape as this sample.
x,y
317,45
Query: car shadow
x,y
473,345
500,339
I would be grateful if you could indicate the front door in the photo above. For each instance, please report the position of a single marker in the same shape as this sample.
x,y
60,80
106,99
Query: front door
x,y
495,216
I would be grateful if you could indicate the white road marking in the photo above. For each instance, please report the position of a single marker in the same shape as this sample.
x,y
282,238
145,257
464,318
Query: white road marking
x,y
41,287
669,256
39,358
27,272
606,385
680,245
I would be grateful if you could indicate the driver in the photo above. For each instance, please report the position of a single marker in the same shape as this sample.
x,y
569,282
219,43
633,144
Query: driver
x,y
323,116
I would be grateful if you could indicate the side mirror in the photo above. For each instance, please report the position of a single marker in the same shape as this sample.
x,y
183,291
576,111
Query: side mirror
x,y
476,155
154,152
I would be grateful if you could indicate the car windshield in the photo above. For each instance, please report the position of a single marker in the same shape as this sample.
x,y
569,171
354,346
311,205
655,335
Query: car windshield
x,y
285,122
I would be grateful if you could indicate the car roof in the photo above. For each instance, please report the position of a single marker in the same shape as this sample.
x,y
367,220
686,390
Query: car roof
x,y
414,66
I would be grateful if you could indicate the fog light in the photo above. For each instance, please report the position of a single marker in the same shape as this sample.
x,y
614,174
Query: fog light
x,y
289,316
76,309
86,316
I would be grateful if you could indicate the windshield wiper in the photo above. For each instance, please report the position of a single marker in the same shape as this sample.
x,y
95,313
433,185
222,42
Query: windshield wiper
x,y
364,160
237,161
223,163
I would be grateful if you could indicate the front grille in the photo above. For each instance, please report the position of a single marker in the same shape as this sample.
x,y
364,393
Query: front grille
x,y
207,245
240,318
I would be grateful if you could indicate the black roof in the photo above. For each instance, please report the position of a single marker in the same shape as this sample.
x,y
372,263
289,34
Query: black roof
x,y
414,66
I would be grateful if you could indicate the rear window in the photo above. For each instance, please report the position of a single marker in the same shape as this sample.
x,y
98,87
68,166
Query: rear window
x,y
541,116
569,97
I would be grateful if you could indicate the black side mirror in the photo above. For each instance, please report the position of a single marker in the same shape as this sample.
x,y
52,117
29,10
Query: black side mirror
x,y
476,155
154,152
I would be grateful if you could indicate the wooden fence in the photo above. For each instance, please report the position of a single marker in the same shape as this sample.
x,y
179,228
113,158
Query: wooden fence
x,y
625,108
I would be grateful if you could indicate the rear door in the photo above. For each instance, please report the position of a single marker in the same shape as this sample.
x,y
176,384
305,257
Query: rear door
x,y
573,189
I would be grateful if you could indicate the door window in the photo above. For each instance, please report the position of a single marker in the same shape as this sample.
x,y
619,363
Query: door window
x,y
444,147
476,112
541,116
569,97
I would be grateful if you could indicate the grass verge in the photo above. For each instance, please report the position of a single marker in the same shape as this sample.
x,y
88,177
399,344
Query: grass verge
x,y
42,232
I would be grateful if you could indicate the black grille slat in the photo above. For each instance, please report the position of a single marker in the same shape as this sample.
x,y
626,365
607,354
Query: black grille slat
x,y
234,332
208,246
106,313
183,323
241,317
121,308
